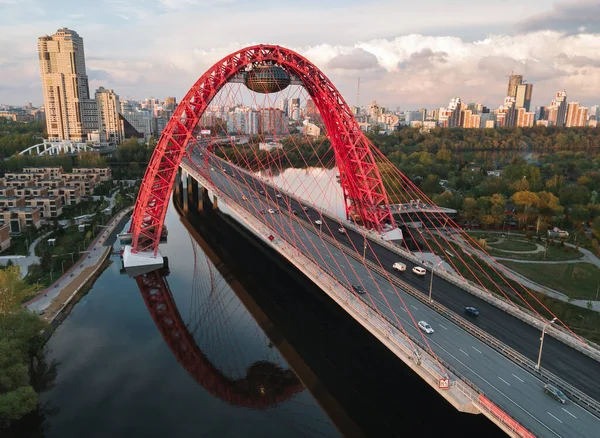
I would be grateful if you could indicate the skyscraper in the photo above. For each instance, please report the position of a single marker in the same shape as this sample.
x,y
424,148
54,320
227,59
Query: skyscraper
x,y
70,113
513,82
576,115
523,96
560,103
109,125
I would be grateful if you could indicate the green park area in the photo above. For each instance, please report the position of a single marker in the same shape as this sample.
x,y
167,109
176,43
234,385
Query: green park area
x,y
577,280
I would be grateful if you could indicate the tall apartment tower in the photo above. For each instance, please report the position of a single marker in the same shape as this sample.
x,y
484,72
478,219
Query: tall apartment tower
x,y
109,124
513,82
523,96
560,104
70,113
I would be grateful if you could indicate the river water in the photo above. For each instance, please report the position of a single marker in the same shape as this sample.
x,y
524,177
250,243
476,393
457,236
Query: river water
x,y
293,363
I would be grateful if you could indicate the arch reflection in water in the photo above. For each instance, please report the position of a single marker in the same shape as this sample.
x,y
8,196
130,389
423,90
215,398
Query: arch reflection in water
x,y
266,384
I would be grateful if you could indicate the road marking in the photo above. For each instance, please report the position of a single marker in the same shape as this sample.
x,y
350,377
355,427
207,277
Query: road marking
x,y
476,349
413,307
442,327
553,417
463,352
569,413
403,309
504,380
518,378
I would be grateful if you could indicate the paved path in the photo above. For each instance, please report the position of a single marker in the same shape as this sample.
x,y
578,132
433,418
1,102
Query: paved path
x,y
538,247
22,261
51,300
588,256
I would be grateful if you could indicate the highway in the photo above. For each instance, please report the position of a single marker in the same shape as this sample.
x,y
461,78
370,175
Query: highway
x,y
515,390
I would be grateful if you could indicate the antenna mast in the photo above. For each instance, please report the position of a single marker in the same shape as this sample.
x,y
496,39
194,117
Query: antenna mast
x,y
358,94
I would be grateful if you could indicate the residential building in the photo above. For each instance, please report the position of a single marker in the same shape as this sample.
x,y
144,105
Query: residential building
x,y
558,109
272,121
513,82
294,109
12,202
20,218
523,96
18,183
68,195
525,119
31,191
28,176
139,118
7,192
110,127
576,115
104,173
52,172
85,185
4,237
311,130
70,113
50,206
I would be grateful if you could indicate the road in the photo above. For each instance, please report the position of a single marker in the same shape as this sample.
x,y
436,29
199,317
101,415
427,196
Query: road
x,y
508,385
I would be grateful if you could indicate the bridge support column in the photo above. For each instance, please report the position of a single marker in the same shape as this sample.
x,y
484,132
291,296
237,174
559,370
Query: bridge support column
x,y
215,202
141,263
202,192
184,183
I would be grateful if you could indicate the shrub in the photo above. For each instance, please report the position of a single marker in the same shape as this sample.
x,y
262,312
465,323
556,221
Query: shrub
x,y
529,235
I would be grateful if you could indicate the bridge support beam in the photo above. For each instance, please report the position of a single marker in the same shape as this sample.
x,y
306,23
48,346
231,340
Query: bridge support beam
x,y
140,263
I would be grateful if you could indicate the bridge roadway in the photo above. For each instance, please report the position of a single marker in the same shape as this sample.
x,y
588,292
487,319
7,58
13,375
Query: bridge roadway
x,y
508,385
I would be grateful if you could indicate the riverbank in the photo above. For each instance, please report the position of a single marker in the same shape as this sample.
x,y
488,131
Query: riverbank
x,y
54,300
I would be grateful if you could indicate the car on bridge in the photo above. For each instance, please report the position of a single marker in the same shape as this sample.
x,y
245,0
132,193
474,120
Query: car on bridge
x,y
419,270
262,192
555,393
358,288
304,208
471,311
342,230
425,327
278,195
319,222
399,266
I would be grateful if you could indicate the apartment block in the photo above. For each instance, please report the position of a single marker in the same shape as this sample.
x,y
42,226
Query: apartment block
x,y
50,183
18,183
20,218
30,176
104,173
85,185
12,202
7,192
69,195
50,206
4,237
28,192
52,172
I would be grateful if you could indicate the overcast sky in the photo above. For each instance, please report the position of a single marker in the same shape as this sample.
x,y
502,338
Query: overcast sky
x,y
407,54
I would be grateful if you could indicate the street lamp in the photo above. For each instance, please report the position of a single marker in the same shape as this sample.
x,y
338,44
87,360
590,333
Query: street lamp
x,y
537,367
365,249
431,280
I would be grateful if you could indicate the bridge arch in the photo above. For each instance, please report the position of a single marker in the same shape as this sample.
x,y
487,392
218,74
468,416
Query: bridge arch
x,y
360,178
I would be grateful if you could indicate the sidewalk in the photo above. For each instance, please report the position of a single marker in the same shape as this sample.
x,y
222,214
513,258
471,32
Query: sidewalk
x,y
22,261
53,299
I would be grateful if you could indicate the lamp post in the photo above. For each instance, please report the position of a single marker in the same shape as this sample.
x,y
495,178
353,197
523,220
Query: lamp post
x,y
365,249
537,367
431,281
63,266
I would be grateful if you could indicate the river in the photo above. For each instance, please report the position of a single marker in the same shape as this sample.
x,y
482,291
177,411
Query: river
x,y
293,363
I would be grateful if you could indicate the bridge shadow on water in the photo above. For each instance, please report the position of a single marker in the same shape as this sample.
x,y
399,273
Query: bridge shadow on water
x,y
361,385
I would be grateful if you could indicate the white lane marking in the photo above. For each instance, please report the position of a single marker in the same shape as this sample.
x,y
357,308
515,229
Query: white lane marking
x,y
569,413
518,378
403,309
342,266
443,327
413,307
504,380
476,349
553,417
463,352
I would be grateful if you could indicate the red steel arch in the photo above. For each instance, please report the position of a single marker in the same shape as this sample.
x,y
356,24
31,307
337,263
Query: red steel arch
x,y
359,176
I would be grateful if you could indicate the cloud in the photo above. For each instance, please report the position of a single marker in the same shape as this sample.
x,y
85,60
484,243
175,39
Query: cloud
x,y
570,17
579,61
358,59
424,58
100,75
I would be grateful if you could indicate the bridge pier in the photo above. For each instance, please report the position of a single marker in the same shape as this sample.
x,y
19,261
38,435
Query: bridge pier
x,y
141,263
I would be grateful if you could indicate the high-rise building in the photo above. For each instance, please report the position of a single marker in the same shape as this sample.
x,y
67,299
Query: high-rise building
x,y
523,96
506,114
139,118
513,82
525,118
272,121
283,105
170,103
594,112
455,107
559,103
294,109
70,113
576,115
109,127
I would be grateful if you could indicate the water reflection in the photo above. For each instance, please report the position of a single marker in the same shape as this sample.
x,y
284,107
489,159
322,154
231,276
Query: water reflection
x,y
265,384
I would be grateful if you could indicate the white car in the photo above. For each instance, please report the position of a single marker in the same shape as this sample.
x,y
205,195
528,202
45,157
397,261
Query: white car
x,y
278,195
271,211
304,208
318,222
418,270
342,230
425,327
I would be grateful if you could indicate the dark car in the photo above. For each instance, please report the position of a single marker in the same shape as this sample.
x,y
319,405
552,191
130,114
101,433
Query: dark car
x,y
555,393
358,288
471,311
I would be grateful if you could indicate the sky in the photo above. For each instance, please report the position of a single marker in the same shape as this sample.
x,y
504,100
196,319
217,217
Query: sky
x,y
406,54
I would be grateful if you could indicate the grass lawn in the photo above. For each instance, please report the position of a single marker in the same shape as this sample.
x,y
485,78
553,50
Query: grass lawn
x,y
513,245
554,254
578,280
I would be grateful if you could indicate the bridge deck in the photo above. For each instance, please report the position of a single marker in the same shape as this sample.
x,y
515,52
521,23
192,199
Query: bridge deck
x,y
517,391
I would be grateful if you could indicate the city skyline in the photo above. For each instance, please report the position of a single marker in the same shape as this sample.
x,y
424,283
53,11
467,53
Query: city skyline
x,y
414,66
